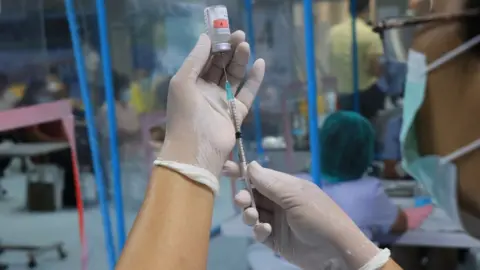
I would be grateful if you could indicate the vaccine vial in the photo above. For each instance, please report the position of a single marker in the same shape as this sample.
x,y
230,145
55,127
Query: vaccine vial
x,y
218,28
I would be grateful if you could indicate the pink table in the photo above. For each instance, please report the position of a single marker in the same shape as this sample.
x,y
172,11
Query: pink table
x,y
44,113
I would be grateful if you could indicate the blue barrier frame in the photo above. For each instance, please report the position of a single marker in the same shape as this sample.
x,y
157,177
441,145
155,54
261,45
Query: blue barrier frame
x,y
112,121
92,131
312,90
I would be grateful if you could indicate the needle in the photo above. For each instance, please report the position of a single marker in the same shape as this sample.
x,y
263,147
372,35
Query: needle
x,y
238,135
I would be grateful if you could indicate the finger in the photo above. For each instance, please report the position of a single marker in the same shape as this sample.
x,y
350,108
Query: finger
x,y
272,184
262,201
196,60
265,216
250,89
250,216
262,231
215,70
231,169
237,68
243,199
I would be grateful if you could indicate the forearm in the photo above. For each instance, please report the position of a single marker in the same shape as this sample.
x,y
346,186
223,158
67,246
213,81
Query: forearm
x,y
172,229
391,265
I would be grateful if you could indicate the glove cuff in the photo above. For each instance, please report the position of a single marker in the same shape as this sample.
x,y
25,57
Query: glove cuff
x,y
194,173
378,261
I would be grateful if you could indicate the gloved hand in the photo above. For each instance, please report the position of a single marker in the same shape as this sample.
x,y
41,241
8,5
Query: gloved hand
x,y
307,227
199,129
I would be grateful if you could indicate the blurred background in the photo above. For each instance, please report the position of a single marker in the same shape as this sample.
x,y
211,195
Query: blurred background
x,y
43,114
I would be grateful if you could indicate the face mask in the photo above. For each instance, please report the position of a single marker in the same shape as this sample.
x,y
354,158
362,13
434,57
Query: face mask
x,y
54,87
437,174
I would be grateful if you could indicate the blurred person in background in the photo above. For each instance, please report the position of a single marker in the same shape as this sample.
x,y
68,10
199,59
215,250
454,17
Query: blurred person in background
x,y
345,161
127,118
128,131
54,84
370,50
141,93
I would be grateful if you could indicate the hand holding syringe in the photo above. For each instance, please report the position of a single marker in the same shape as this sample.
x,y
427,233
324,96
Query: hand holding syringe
x,y
216,21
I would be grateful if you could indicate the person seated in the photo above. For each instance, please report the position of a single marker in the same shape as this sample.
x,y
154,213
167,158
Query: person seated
x,y
345,160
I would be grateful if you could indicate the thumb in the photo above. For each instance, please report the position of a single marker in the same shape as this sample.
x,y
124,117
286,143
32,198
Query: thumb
x,y
196,60
272,184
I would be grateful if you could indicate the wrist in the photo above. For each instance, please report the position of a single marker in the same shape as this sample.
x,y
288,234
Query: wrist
x,y
183,151
356,248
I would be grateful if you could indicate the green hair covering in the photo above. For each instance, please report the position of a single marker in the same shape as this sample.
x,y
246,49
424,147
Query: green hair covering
x,y
347,142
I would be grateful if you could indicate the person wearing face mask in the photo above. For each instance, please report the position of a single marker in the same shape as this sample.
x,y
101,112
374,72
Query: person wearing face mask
x,y
128,129
440,135
54,85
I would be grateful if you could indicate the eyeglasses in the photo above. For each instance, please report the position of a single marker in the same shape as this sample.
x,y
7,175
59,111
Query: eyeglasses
x,y
392,23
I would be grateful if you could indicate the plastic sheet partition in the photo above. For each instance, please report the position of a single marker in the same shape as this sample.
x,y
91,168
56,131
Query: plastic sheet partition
x,y
92,133
112,122
148,41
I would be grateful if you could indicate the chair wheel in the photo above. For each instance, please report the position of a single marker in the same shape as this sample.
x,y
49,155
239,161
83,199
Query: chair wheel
x,y
32,264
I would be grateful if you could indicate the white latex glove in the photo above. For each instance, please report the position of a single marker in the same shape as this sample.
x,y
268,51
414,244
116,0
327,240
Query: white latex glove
x,y
307,227
199,129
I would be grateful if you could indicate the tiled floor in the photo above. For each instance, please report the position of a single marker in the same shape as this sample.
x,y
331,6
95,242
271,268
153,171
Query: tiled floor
x,y
20,227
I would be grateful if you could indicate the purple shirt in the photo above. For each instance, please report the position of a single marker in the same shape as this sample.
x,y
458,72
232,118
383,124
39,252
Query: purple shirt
x,y
365,202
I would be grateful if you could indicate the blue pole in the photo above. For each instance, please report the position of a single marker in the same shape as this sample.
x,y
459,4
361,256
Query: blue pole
x,y
356,95
312,90
92,131
112,121
256,103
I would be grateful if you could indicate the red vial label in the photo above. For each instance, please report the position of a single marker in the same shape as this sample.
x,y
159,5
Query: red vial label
x,y
220,23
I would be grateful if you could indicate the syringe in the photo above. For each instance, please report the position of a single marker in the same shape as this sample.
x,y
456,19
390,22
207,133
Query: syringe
x,y
238,136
